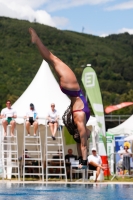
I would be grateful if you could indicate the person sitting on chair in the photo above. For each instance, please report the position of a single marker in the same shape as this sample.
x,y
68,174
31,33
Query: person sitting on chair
x,y
31,119
67,159
53,118
95,162
8,115
70,155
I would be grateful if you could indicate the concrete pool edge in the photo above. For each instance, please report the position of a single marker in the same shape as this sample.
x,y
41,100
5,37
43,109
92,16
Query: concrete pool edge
x,y
57,182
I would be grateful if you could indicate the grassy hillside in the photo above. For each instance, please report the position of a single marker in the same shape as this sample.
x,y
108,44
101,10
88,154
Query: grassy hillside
x,y
111,57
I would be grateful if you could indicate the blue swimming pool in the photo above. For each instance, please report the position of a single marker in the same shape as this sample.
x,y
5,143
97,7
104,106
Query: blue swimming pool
x,y
65,192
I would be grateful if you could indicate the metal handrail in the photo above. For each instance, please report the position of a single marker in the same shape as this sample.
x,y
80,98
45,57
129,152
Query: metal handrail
x,y
119,118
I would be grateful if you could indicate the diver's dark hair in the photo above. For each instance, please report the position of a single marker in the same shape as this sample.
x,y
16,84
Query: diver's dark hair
x,y
69,123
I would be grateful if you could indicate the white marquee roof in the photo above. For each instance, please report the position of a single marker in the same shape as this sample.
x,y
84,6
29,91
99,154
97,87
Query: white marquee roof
x,y
126,128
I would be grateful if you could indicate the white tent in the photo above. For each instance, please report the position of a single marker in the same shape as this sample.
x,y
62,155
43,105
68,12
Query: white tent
x,y
126,128
129,138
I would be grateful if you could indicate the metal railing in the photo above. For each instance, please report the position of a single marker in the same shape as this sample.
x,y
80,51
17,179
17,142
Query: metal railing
x,y
118,118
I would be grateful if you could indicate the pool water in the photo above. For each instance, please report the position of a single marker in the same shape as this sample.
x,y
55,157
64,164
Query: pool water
x,y
65,192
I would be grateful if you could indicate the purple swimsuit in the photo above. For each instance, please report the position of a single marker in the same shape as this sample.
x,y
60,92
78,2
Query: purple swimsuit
x,y
78,94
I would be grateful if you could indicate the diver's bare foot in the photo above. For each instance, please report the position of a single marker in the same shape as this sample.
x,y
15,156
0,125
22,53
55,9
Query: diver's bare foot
x,y
33,35
12,135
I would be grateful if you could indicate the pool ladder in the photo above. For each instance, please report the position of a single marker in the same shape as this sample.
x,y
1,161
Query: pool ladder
x,y
35,162
9,151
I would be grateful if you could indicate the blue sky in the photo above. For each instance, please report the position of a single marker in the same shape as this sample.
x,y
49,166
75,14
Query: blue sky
x,y
96,17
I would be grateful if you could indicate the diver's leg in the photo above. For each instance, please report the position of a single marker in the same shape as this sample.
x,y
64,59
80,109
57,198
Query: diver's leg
x,y
66,76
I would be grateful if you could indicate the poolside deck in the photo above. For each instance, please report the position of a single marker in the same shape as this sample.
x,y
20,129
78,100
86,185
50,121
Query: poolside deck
x,y
68,182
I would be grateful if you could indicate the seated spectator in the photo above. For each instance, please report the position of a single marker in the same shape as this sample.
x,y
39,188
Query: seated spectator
x,y
70,155
53,118
31,119
95,162
67,159
8,115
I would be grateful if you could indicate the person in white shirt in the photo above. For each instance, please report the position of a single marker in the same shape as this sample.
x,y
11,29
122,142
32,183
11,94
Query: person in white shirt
x,y
53,117
31,119
95,162
8,115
